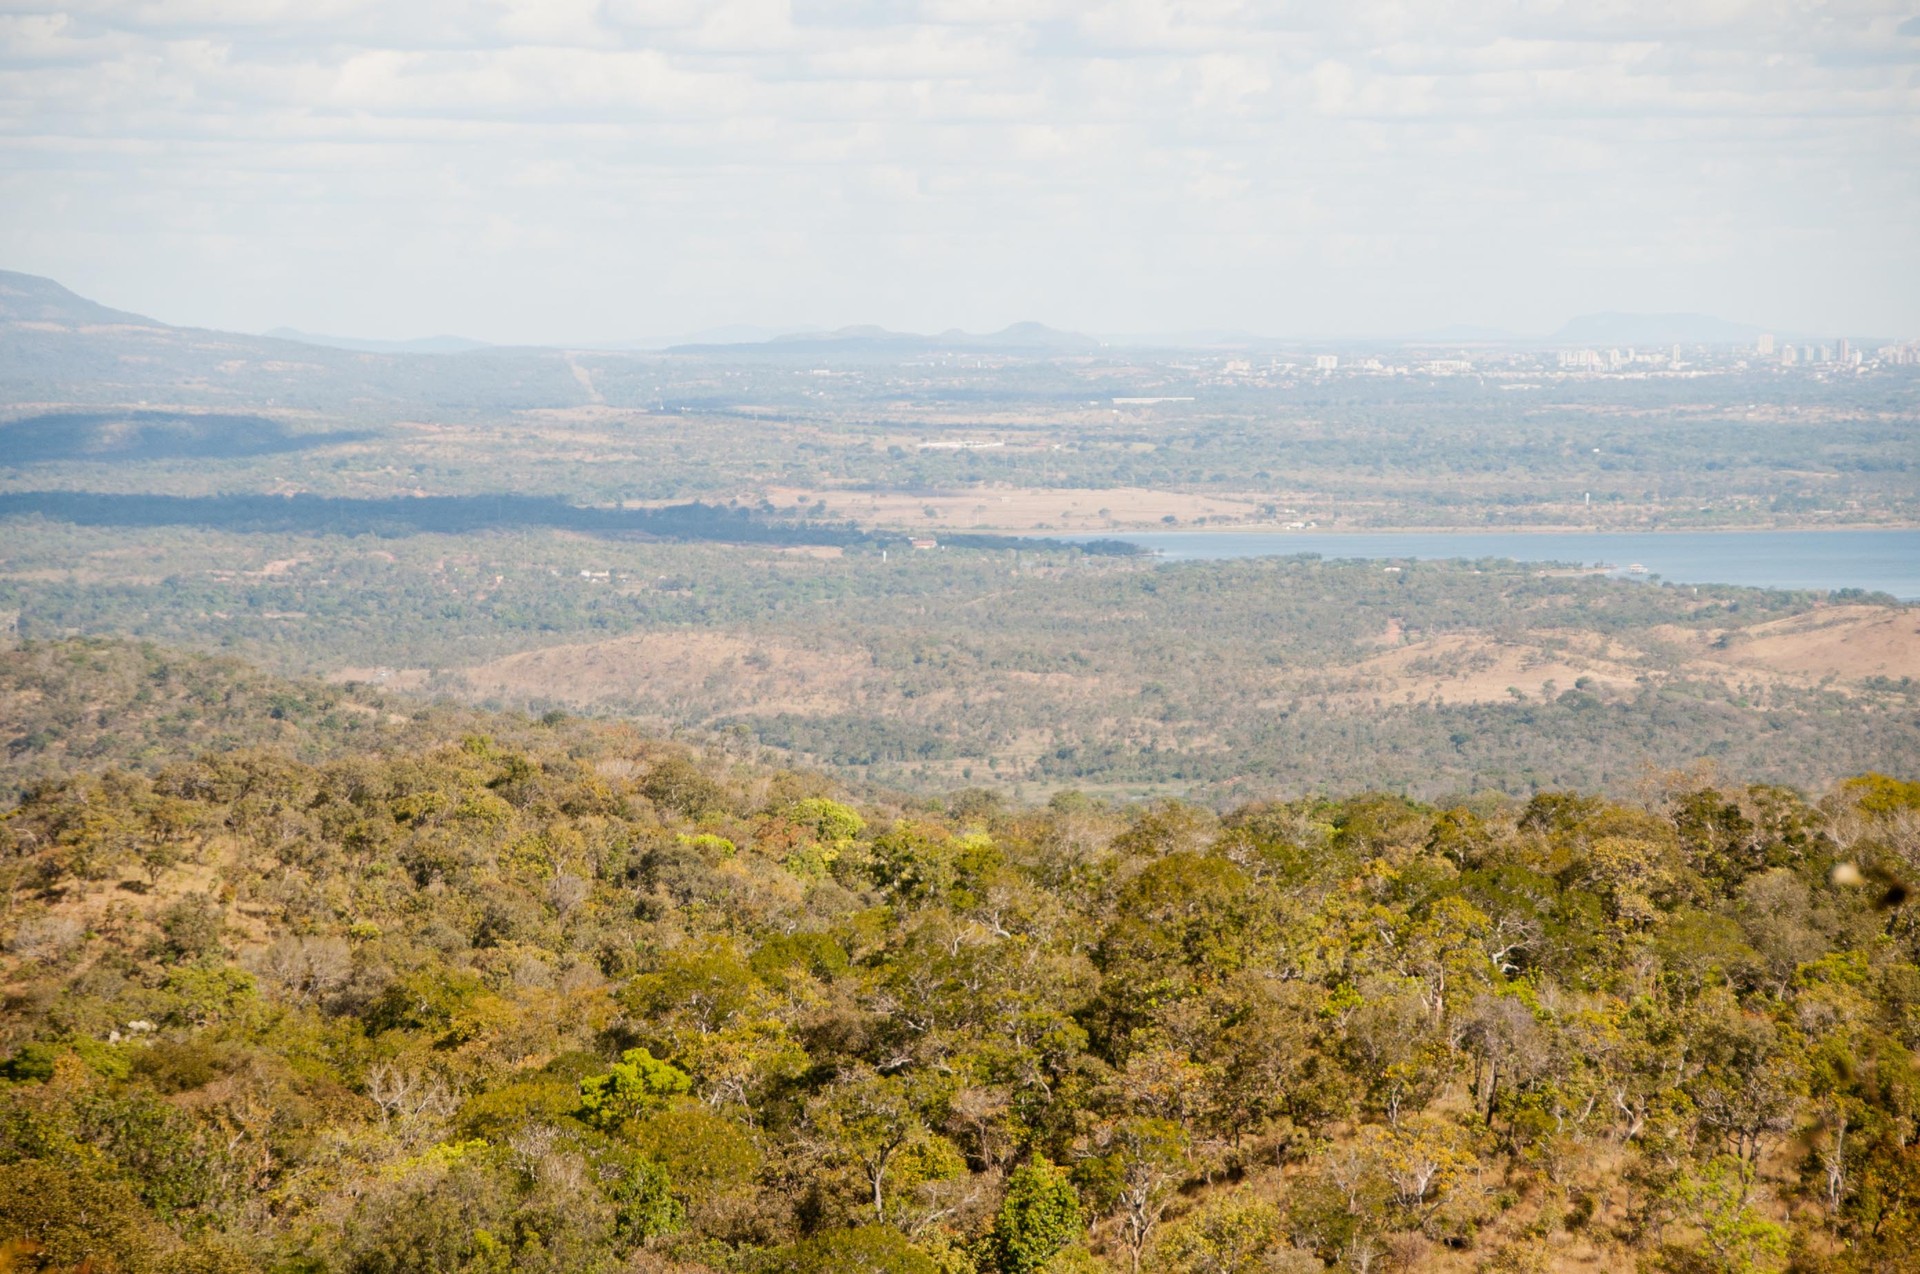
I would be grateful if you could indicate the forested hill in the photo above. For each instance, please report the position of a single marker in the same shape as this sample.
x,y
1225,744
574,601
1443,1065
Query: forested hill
x,y
362,995
96,704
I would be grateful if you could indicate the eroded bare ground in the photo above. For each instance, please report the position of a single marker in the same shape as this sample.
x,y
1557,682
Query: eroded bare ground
x,y
1848,643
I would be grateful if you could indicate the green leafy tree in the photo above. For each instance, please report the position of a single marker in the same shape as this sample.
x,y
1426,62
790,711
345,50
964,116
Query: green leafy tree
x,y
1142,1164
825,830
869,1249
1717,1199
703,1152
644,1205
1227,1235
872,1121
639,1082
830,822
1039,1216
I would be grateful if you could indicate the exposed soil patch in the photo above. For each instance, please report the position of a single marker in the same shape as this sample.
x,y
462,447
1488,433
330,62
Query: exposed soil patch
x,y
731,672
1468,668
1847,642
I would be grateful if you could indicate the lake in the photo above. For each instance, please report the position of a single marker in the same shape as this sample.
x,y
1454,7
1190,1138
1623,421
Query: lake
x,y
1878,561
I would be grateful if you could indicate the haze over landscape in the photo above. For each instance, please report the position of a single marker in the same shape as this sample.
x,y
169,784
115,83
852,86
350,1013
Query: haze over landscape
x,y
947,637
592,172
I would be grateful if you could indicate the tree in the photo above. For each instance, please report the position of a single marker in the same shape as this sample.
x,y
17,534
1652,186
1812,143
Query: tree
x,y
191,928
702,1152
869,1249
1507,1043
644,1206
705,1007
1180,925
171,823
1039,1216
870,1119
1226,1235
75,1220
637,1083
1750,1078
1735,1238
1142,1166
678,784
830,822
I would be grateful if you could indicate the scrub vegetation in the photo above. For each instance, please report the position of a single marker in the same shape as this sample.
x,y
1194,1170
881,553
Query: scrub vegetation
x,y
360,990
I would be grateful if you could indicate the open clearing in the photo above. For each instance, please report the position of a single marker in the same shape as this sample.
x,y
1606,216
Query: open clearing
x,y
1849,643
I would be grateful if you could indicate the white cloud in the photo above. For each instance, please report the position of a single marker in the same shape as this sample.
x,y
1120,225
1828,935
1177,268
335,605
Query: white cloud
x,y
653,165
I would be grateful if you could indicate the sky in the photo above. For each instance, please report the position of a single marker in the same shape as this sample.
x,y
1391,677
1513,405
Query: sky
x,y
607,170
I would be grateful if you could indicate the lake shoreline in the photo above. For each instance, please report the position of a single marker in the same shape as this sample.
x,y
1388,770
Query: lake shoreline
x,y
1874,560
1268,528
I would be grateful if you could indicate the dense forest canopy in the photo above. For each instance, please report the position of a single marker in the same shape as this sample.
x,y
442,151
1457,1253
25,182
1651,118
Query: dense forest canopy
x,y
373,990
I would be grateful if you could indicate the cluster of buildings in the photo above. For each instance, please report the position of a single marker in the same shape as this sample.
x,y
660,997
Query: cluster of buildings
x,y
1766,352
1841,355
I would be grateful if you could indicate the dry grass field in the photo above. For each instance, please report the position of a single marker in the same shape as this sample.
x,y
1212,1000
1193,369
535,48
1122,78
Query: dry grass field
x,y
1847,643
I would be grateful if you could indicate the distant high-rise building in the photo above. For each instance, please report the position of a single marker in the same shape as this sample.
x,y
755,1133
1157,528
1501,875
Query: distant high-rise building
x,y
1846,350
1788,356
1673,360
1764,345
1325,362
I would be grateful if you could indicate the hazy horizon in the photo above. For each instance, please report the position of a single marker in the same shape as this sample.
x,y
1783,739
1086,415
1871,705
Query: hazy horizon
x,y
1711,330
601,172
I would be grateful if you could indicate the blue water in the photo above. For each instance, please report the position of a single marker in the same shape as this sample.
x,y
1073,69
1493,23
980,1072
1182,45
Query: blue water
x,y
1878,561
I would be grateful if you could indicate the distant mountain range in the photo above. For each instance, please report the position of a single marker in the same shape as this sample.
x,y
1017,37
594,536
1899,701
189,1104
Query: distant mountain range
x,y
56,347
26,298
422,345
1018,338
1608,329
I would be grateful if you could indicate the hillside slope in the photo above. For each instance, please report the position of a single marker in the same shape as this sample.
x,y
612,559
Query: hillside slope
x,y
28,298
500,994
